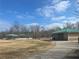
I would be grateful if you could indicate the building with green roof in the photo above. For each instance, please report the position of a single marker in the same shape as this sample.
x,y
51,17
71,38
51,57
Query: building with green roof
x,y
65,35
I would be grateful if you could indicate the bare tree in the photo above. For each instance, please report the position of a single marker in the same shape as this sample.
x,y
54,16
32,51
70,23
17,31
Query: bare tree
x,y
20,29
15,28
25,30
35,30
77,25
69,25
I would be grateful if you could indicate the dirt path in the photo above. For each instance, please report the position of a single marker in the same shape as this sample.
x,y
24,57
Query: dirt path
x,y
58,52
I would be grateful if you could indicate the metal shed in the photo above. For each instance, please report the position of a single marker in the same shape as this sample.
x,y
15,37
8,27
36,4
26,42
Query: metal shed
x,y
65,35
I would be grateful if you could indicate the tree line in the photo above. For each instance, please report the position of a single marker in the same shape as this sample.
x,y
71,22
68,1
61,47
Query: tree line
x,y
35,31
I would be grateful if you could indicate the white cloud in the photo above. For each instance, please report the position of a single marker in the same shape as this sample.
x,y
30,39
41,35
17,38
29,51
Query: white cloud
x,y
62,6
20,16
59,18
50,9
34,24
55,1
30,24
71,20
46,11
25,16
78,1
54,25
48,26
4,25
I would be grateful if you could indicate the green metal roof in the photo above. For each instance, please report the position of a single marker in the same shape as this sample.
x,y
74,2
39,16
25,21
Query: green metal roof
x,y
67,30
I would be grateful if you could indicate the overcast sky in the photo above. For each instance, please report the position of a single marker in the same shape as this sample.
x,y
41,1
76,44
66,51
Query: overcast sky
x,y
48,13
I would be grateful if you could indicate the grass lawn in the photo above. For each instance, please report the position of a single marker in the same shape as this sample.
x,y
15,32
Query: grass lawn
x,y
21,49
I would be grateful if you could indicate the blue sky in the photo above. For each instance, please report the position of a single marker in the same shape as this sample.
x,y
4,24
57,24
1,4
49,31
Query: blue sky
x,y
47,13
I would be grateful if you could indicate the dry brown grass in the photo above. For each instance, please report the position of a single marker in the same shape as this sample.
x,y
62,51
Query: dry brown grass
x,y
21,49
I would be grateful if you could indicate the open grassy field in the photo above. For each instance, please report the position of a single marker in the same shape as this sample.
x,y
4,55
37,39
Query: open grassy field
x,y
21,49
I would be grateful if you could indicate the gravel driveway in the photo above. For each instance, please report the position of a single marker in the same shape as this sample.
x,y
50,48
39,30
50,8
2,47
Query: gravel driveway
x,y
62,49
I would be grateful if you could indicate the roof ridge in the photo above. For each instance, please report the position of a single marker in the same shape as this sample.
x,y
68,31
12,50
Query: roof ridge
x,y
66,30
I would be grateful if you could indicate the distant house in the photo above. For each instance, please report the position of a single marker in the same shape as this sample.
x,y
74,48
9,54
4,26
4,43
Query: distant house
x,y
65,35
11,36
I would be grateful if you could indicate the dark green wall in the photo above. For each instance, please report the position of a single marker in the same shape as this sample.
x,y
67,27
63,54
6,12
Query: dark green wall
x,y
60,37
